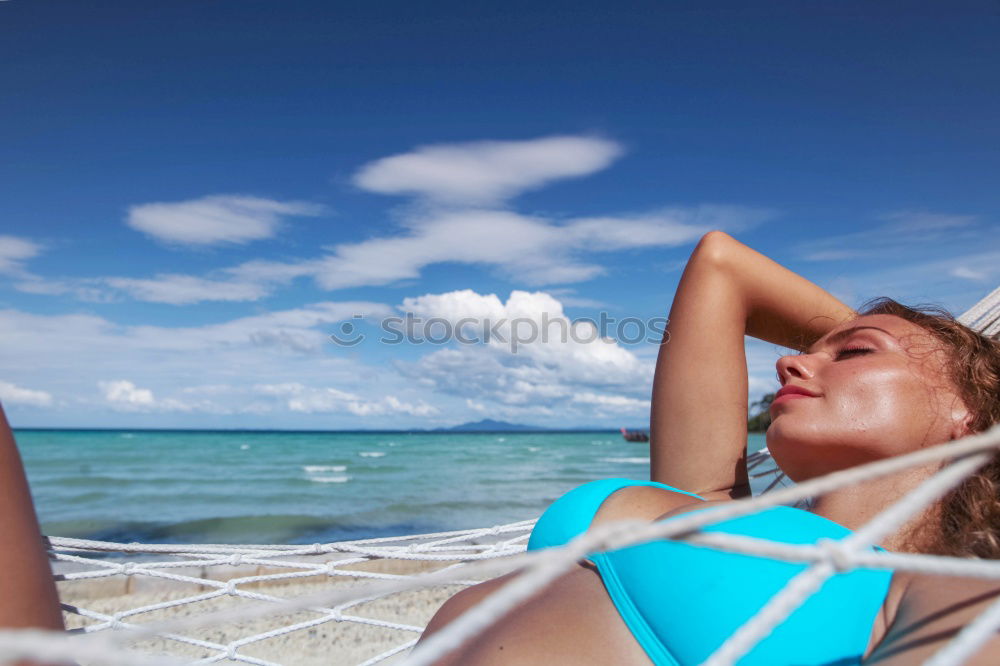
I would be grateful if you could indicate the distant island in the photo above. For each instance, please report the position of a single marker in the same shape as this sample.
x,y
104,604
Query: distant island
x,y
489,425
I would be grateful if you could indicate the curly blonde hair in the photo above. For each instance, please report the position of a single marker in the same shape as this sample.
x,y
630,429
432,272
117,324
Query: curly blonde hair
x,y
967,519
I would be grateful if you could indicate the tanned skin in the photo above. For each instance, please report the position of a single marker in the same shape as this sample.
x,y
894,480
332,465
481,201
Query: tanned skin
x,y
28,597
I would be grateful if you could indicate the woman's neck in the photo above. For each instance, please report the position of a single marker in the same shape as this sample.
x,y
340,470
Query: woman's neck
x,y
854,506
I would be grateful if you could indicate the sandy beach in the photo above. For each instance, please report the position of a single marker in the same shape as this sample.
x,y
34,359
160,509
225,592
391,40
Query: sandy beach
x,y
333,642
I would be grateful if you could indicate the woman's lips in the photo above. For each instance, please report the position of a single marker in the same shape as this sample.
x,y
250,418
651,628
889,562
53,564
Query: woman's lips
x,y
789,393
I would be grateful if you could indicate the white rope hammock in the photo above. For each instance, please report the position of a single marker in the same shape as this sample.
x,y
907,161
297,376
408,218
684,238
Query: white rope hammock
x,y
200,603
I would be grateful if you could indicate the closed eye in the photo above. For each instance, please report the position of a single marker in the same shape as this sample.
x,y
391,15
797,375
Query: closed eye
x,y
849,352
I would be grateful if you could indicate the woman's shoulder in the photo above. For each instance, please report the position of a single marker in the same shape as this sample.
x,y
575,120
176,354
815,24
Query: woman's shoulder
x,y
930,610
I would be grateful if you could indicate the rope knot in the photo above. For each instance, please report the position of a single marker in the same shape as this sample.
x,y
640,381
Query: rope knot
x,y
126,568
236,560
495,530
231,651
116,621
837,554
231,587
317,548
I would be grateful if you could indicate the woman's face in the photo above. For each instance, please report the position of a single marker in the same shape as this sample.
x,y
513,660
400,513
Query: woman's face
x,y
872,388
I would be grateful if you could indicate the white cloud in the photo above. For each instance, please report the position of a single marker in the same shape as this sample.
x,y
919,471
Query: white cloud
x,y
553,360
272,272
215,219
173,289
486,172
390,404
663,228
309,399
13,394
253,366
531,250
910,232
569,298
912,222
123,393
762,372
87,289
913,257
14,251
614,403
529,324
954,281
187,289
124,396
459,181
967,273
300,331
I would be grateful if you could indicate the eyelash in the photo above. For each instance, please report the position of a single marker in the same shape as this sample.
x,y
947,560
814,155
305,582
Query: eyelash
x,y
850,351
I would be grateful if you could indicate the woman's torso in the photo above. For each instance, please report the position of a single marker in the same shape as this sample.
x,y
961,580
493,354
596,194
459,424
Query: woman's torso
x,y
576,621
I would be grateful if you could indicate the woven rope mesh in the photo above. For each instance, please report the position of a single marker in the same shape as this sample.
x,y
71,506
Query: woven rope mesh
x,y
189,581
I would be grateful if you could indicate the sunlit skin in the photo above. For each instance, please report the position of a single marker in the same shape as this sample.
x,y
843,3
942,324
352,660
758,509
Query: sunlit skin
x,y
880,390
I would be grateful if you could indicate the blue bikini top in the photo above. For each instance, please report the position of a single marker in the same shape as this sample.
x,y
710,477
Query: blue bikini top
x,y
682,601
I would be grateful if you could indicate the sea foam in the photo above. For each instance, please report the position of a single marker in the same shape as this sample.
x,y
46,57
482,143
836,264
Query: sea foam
x,y
330,479
372,454
313,469
637,461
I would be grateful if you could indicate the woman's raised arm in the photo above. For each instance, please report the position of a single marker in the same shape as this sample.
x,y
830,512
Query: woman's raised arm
x,y
28,595
698,425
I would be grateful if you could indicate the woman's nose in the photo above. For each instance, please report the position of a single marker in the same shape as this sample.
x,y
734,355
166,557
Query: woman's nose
x,y
793,366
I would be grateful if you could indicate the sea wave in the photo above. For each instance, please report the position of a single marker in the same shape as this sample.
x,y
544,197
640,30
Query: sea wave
x,y
313,469
372,454
329,479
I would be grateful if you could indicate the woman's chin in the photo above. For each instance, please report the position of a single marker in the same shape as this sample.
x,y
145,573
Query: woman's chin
x,y
799,456
778,436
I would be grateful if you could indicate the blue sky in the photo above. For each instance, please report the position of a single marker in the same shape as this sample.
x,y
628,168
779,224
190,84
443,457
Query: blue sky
x,y
196,195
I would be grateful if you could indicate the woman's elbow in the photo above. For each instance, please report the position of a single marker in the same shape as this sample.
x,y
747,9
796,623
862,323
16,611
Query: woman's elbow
x,y
714,248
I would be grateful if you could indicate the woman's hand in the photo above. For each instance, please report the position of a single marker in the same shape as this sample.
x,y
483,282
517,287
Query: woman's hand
x,y
699,408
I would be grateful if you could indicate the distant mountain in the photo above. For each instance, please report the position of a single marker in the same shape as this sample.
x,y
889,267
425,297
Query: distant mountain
x,y
489,425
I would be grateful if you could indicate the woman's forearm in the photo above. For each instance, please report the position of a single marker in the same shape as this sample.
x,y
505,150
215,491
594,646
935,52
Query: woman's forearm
x,y
781,306
28,596
698,419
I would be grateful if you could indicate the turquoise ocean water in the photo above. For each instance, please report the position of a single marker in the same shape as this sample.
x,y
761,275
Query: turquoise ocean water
x,y
305,487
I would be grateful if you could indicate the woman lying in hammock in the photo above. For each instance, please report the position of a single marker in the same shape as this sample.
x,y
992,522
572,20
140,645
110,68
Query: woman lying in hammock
x,y
865,387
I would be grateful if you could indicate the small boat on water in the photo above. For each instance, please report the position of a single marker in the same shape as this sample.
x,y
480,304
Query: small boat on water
x,y
635,435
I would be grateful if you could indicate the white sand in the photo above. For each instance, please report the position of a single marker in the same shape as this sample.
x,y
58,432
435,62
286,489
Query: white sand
x,y
332,642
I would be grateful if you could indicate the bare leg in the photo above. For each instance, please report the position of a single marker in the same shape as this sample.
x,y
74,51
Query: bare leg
x,y
29,597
